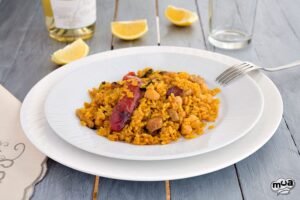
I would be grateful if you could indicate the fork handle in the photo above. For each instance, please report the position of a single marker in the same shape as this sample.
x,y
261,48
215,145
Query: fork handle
x,y
291,65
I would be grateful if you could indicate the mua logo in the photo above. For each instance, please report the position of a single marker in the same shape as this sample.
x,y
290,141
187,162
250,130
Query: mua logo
x,y
283,186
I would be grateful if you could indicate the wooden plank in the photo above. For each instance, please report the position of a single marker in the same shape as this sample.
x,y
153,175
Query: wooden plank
x,y
168,190
15,17
33,60
281,51
204,22
275,42
32,63
115,189
102,38
39,46
180,36
130,190
198,187
96,188
133,10
100,42
277,159
222,184
62,183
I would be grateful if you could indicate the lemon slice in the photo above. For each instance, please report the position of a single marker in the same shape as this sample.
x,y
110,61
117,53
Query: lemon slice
x,y
74,51
180,16
129,30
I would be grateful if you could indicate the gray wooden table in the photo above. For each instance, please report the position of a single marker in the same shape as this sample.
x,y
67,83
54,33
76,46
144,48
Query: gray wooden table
x,y
25,50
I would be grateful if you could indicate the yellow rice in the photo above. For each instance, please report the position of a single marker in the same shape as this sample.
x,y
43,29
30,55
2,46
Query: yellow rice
x,y
199,107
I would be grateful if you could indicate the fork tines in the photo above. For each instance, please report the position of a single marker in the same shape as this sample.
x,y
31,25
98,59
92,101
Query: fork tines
x,y
233,72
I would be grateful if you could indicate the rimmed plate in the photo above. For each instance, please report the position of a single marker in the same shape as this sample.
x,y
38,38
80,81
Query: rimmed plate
x,y
42,136
241,102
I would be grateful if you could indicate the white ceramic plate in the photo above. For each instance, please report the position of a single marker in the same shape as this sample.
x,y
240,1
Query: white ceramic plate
x,y
41,135
241,103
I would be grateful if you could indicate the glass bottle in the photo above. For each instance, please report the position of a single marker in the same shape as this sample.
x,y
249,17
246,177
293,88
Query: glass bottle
x,y
68,20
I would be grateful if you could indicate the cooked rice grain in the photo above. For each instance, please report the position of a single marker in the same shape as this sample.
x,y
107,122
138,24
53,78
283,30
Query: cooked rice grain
x,y
196,108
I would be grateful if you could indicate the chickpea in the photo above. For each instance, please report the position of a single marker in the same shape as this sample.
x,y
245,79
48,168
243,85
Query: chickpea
x,y
186,129
195,122
193,118
178,100
197,79
152,94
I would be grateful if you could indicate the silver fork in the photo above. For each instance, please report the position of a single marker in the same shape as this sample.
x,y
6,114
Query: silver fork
x,y
238,70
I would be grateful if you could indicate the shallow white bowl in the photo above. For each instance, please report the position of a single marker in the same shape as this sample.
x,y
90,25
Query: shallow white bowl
x,y
241,102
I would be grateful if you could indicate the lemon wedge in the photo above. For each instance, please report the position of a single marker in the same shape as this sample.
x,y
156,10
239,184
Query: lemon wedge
x,y
180,16
74,51
129,30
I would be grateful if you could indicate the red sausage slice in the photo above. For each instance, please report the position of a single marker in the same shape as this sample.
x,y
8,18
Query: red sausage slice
x,y
123,110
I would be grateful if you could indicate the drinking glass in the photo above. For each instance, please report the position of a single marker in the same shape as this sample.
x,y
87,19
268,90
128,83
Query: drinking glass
x,y
231,23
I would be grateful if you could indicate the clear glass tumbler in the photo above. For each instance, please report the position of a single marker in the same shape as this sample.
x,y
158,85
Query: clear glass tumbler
x,y
231,23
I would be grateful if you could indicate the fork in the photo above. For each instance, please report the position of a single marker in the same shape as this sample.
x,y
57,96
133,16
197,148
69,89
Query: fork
x,y
240,69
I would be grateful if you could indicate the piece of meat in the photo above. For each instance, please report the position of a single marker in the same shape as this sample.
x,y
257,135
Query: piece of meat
x,y
175,90
115,85
132,75
154,124
123,110
173,114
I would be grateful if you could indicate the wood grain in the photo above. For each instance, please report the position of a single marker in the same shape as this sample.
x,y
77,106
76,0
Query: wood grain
x,y
25,50
96,188
26,55
33,60
277,159
274,43
15,18
62,183
283,47
130,190
133,10
102,39
116,189
222,184
196,188
179,36
168,190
